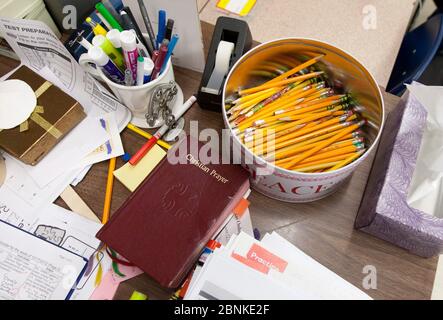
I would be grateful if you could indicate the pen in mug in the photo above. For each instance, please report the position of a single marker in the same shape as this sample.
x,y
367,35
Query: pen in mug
x,y
102,42
148,67
169,28
130,51
140,70
114,37
111,9
154,56
96,27
171,48
128,78
105,22
109,13
158,64
109,68
129,23
83,42
151,36
161,27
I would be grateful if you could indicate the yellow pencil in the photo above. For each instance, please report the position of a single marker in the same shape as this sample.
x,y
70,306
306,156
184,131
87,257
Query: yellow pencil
x,y
285,94
146,135
252,102
296,69
288,152
327,154
109,187
248,97
347,161
326,143
304,121
292,100
280,83
321,128
309,161
292,96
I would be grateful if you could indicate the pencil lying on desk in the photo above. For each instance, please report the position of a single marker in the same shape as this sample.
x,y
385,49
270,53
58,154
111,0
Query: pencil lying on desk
x,y
109,187
147,135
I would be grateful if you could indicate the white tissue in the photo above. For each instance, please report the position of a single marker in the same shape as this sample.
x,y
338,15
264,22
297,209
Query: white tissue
x,y
17,102
426,188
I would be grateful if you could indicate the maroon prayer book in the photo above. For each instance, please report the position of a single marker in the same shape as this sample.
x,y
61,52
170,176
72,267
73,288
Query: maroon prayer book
x,y
165,224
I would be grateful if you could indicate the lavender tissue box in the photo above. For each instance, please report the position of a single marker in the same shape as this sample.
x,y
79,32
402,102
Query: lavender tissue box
x,y
384,211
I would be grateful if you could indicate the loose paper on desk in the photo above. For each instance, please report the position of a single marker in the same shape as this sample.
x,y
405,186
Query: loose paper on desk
x,y
38,47
27,192
304,272
34,269
40,50
64,229
112,148
426,188
271,269
132,176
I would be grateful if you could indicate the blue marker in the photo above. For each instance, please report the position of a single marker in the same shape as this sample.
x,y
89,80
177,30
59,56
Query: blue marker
x,y
171,48
105,63
161,27
149,66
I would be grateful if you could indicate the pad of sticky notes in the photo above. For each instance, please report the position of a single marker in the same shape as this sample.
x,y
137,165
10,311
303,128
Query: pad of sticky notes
x,y
239,7
132,176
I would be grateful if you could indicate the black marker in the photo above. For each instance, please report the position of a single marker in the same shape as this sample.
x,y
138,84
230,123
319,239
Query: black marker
x,y
130,24
169,28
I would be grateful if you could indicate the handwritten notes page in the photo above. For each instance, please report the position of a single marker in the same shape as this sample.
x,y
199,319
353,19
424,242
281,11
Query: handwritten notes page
x,y
31,268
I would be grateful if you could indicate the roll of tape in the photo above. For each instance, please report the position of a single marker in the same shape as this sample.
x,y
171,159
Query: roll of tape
x,y
221,68
2,170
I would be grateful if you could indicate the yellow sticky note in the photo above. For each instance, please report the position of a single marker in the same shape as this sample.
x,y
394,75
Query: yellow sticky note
x,y
132,176
239,7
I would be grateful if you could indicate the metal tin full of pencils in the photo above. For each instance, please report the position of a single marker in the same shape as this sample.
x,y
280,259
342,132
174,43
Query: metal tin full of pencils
x,y
303,115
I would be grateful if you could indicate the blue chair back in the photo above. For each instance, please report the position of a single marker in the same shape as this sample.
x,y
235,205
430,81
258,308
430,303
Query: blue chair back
x,y
416,53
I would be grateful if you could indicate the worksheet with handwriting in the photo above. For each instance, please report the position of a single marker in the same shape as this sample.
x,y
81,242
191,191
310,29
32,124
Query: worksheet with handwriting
x,y
34,269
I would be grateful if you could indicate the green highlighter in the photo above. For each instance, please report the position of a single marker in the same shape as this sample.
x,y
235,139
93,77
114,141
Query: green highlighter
x,y
108,16
102,42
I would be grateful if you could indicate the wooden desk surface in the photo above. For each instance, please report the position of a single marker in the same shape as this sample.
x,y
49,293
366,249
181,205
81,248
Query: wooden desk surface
x,y
322,229
343,23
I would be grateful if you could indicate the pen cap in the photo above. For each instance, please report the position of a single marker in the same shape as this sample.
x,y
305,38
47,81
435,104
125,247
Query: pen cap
x,y
98,55
128,40
114,37
98,40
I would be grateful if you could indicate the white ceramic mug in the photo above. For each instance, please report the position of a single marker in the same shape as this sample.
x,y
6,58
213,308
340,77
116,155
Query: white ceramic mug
x,y
135,98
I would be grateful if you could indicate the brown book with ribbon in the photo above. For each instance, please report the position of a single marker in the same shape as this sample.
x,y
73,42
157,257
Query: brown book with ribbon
x,y
166,223
55,115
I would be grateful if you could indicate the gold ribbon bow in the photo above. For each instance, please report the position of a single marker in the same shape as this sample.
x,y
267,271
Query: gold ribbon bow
x,y
37,118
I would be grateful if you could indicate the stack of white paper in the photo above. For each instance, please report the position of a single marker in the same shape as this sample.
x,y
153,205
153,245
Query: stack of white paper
x,y
271,269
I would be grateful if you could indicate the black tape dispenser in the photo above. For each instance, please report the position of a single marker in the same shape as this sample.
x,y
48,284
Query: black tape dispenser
x,y
231,39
